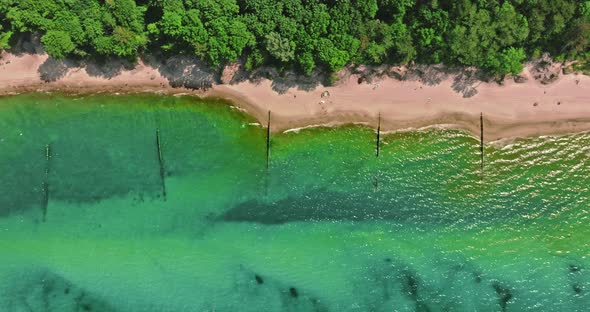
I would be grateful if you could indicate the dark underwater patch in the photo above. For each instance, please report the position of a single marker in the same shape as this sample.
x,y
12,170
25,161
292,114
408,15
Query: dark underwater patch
x,y
504,295
270,294
46,291
578,279
323,205
258,279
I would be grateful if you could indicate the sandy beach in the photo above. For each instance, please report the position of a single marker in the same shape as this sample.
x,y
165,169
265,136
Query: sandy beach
x,y
509,110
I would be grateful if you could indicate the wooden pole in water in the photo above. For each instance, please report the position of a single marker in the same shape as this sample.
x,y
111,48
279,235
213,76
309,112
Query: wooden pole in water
x,y
268,142
481,139
377,151
378,147
266,180
45,201
161,163
375,183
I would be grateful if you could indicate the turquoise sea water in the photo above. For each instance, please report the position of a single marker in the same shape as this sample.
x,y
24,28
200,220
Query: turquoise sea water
x,y
329,227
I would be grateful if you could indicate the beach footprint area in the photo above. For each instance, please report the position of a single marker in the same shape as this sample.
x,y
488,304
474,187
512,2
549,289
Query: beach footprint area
x,y
168,203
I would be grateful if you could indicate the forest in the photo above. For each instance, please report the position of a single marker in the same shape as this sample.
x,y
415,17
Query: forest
x,y
302,35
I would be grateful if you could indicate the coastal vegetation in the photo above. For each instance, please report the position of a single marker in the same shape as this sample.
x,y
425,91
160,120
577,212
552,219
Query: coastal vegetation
x,y
304,35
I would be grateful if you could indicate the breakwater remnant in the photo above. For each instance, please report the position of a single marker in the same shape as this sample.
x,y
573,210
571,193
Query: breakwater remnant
x,y
378,143
268,142
161,163
375,183
45,201
377,151
266,180
481,140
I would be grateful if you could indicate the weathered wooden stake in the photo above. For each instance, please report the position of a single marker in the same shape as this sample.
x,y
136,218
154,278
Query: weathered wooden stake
x,y
45,201
266,180
268,142
378,148
375,183
377,151
481,139
161,163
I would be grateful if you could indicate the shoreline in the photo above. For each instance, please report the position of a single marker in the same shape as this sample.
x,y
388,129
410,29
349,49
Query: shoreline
x,y
512,110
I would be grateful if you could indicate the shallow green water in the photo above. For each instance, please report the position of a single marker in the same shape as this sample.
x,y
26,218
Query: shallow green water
x,y
329,227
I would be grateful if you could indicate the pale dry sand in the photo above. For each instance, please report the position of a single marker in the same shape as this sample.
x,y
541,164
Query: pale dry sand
x,y
508,110
20,74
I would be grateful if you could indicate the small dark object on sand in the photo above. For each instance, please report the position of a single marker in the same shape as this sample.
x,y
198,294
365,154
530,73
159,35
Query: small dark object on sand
x,y
558,103
535,104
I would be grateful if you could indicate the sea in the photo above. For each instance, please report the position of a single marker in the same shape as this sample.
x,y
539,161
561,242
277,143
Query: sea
x,y
174,203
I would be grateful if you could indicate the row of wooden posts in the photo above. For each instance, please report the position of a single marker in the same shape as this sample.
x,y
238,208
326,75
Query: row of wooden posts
x,y
48,156
377,141
377,146
161,164
268,149
45,202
